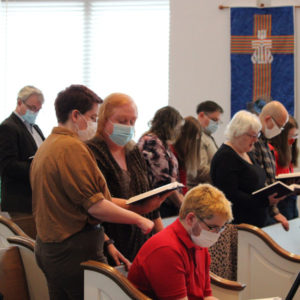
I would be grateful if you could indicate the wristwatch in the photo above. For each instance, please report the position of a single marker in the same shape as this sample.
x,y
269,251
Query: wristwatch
x,y
108,242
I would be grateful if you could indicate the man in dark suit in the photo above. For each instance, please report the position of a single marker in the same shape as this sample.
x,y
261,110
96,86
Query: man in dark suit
x,y
19,140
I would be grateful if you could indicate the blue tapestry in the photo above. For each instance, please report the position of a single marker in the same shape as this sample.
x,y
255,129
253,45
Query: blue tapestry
x,y
262,57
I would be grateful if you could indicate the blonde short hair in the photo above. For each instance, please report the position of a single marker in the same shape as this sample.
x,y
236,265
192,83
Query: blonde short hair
x,y
206,201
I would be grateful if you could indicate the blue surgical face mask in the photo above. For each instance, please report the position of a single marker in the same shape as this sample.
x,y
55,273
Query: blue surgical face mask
x,y
212,127
30,116
121,134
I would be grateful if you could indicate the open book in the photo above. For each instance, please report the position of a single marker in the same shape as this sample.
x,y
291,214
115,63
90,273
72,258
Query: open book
x,y
289,177
278,187
158,191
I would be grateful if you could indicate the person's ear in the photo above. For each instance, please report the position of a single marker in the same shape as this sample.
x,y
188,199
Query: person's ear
x,y
190,218
75,114
268,122
201,114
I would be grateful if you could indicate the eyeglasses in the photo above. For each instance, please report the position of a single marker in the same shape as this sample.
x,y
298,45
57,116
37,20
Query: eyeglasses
x,y
31,107
93,118
216,229
214,119
280,127
253,136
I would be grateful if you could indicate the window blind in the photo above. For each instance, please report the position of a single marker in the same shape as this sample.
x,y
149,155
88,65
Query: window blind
x,y
110,46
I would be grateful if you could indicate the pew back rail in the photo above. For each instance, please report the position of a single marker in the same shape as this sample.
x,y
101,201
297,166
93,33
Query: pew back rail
x,y
265,267
36,281
102,281
7,229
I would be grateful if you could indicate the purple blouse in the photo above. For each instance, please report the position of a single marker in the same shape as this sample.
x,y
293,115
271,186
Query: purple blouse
x,y
162,163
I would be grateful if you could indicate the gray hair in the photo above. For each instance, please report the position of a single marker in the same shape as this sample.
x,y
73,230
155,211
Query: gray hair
x,y
28,91
240,123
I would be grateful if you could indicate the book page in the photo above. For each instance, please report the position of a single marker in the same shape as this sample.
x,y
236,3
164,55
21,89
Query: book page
x,y
277,187
288,175
163,189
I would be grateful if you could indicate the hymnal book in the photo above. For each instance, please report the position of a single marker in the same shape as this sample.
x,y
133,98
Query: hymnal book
x,y
296,188
289,177
272,298
155,192
278,187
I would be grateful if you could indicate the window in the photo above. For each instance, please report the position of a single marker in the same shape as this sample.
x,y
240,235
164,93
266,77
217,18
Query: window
x,y
110,46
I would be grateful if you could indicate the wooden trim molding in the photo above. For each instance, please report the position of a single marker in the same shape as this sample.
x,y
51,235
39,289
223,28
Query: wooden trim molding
x,y
269,241
117,277
226,283
12,226
24,241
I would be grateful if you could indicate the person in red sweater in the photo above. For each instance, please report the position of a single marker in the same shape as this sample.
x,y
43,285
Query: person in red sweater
x,y
174,263
284,147
187,150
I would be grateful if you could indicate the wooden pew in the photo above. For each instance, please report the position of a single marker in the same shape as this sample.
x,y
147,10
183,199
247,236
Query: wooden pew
x,y
225,289
13,283
8,229
266,268
103,282
36,281
288,240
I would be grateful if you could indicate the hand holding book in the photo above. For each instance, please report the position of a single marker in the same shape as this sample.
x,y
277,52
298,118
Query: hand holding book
x,y
158,194
274,199
278,187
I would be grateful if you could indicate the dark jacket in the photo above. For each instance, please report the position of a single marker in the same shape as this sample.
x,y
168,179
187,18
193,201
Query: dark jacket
x,y
17,147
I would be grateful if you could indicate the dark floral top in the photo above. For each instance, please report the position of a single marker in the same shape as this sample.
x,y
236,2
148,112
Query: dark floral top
x,y
162,162
162,165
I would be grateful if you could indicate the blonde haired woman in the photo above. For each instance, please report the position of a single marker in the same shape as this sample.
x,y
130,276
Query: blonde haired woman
x,y
124,169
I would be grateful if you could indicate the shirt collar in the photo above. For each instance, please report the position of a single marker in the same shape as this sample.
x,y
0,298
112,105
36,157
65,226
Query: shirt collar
x,y
183,236
19,116
64,131
28,125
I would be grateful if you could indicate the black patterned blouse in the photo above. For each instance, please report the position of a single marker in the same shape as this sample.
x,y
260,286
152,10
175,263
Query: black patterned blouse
x,y
123,184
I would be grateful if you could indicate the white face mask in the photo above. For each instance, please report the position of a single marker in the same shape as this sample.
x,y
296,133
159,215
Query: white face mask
x,y
89,132
270,133
205,238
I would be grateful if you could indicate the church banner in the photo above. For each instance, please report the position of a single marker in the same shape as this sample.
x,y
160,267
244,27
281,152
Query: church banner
x,y
262,57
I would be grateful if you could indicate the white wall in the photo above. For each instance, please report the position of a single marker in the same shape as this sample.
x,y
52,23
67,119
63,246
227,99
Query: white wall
x,y
200,54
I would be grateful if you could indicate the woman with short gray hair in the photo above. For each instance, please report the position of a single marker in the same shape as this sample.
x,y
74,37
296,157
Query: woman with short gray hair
x,y
242,122
236,173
